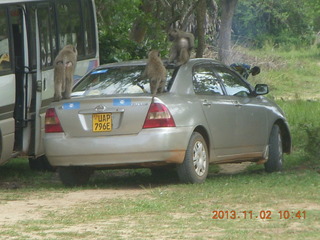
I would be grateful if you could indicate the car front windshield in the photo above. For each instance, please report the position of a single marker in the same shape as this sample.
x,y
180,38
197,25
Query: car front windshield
x,y
114,80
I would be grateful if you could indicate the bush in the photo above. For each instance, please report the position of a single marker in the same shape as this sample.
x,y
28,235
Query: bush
x,y
312,145
305,130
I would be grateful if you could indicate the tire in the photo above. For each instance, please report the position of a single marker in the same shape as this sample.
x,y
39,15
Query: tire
x,y
41,164
275,159
74,176
194,168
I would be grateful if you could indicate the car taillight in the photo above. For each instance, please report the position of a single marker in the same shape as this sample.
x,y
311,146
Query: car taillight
x,y
158,116
52,122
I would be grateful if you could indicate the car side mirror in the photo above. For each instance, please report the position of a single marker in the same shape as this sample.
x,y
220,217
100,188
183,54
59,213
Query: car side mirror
x,y
261,89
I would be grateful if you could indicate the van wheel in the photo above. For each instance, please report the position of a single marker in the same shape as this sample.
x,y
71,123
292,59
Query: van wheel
x,y
275,159
74,176
194,168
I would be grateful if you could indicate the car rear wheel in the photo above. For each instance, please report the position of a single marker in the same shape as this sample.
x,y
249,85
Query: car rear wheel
x,y
275,159
74,176
194,168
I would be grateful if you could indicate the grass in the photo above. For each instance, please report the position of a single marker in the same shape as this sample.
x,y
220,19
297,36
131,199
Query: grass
x,y
305,130
131,204
167,210
290,74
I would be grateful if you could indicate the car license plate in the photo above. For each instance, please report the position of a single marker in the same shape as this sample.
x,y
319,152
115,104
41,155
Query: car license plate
x,y
102,122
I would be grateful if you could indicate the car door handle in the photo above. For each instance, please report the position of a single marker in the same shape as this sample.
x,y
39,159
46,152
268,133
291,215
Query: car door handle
x,y
206,103
237,103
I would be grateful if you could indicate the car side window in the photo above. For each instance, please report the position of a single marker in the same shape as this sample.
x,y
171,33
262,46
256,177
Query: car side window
x,y
233,84
205,81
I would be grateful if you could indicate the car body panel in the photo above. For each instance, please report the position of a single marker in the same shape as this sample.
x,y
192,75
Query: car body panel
x,y
149,146
251,114
128,115
236,128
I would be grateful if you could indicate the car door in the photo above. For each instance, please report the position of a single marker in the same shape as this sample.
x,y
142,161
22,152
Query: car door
x,y
250,131
218,109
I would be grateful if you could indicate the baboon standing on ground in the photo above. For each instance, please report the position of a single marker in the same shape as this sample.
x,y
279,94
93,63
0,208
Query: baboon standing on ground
x,y
156,72
182,44
64,67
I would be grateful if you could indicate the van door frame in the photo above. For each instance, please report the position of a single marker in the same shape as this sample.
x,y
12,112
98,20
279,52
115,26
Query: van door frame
x,y
23,82
43,81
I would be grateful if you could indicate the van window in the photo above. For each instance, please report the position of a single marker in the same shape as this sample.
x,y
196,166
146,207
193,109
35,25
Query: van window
x,y
4,42
47,30
69,21
89,28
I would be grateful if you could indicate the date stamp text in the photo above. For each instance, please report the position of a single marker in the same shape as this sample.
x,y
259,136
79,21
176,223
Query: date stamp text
x,y
262,214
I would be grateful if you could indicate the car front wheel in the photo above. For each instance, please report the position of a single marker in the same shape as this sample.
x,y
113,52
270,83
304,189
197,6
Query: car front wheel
x,y
275,159
194,168
74,176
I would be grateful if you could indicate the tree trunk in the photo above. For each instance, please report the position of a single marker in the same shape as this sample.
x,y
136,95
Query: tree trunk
x,y
201,11
224,42
139,27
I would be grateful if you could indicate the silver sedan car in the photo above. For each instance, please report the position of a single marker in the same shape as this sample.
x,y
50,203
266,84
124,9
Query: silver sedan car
x,y
207,114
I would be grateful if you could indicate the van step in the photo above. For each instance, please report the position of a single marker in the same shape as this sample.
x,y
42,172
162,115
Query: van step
x,y
15,154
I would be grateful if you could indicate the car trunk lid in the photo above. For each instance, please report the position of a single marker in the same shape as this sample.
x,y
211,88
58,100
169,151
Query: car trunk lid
x,y
108,116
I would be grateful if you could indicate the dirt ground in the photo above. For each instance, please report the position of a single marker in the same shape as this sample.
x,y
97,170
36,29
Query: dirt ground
x,y
34,207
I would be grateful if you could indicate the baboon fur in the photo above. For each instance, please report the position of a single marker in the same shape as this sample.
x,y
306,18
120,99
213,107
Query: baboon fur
x,y
156,72
182,44
64,67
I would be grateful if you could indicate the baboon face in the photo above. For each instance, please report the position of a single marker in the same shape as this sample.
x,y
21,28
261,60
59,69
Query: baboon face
x,y
173,35
255,70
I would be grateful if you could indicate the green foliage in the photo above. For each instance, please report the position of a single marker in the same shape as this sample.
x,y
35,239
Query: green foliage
x,y
305,129
290,72
290,22
114,48
284,23
305,124
312,145
116,19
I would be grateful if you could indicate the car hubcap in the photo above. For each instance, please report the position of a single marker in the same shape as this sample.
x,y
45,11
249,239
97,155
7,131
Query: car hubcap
x,y
199,158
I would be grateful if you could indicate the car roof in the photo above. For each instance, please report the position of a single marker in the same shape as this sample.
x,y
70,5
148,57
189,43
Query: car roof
x,y
125,63
143,62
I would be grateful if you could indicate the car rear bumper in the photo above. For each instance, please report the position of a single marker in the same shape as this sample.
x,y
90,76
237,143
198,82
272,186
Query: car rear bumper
x,y
167,145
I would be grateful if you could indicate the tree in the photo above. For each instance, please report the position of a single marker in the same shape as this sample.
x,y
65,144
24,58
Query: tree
x,y
201,11
130,28
286,22
139,28
224,42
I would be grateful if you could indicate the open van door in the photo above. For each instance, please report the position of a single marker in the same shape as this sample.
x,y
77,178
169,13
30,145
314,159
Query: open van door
x,y
44,45
31,34
23,88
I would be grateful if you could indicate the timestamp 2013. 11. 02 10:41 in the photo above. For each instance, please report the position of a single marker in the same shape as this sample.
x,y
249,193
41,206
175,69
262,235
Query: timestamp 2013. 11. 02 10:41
x,y
263,214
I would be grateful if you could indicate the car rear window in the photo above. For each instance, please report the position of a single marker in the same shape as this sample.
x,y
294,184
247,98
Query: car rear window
x,y
115,80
